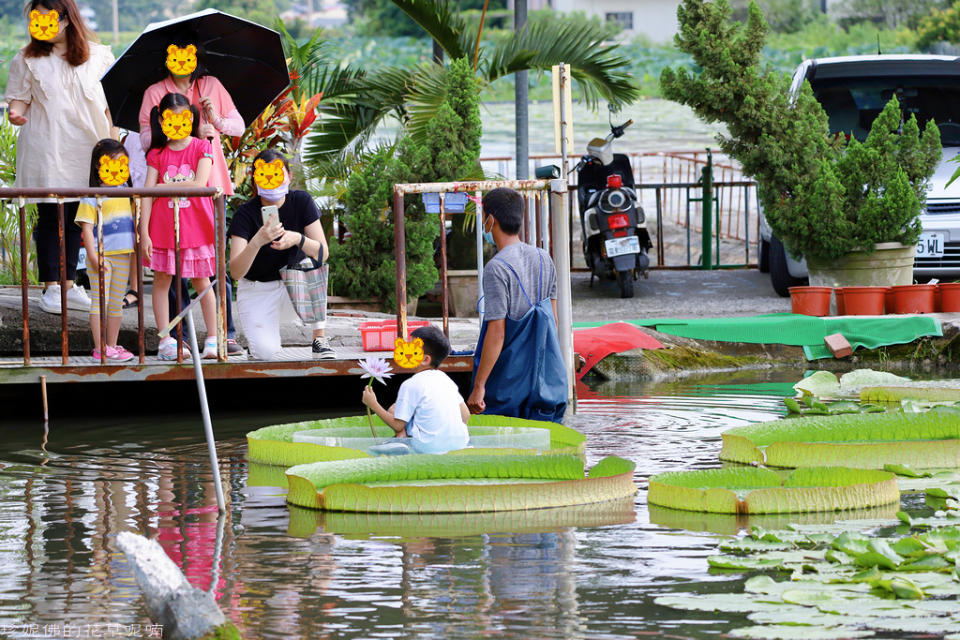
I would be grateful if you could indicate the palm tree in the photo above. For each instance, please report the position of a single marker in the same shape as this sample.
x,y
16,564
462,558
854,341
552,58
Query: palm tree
x,y
355,101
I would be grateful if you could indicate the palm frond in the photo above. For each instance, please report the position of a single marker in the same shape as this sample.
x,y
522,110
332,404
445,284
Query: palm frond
x,y
428,88
354,104
597,67
442,22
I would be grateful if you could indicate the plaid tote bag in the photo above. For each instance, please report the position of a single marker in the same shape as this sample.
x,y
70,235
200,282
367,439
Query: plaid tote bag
x,y
306,284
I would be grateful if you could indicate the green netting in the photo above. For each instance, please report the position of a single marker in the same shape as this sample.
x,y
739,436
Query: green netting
x,y
796,330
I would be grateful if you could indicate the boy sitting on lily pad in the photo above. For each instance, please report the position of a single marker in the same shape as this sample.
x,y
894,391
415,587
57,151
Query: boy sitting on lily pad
x,y
429,408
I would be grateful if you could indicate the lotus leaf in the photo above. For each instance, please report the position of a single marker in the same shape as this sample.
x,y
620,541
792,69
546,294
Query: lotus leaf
x,y
783,632
757,490
457,483
891,393
274,444
921,441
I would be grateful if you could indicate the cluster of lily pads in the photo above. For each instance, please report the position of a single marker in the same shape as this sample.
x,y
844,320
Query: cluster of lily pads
x,y
853,578
323,468
834,581
867,391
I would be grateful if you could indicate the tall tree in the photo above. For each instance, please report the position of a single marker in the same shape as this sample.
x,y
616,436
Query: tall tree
x,y
356,101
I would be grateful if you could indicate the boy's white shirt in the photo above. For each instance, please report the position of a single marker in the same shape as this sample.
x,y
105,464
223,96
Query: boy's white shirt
x,y
429,403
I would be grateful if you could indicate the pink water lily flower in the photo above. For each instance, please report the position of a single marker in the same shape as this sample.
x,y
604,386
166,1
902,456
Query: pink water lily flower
x,y
376,369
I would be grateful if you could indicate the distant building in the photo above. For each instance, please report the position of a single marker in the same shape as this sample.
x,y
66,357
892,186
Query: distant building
x,y
325,13
89,16
656,20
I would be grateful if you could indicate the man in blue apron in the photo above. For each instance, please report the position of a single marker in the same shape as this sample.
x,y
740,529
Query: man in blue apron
x,y
518,367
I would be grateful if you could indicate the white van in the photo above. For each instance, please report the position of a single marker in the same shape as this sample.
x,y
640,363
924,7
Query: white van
x,y
853,90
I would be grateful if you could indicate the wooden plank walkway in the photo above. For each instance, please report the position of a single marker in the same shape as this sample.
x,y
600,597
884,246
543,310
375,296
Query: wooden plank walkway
x,y
295,362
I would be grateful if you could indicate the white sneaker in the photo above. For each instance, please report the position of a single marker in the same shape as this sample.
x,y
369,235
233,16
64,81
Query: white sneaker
x,y
209,349
50,299
77,298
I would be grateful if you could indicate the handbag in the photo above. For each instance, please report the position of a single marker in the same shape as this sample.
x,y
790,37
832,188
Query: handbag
x,y
305,280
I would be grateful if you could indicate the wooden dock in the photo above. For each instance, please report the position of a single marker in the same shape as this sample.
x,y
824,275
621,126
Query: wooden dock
x,y
295,362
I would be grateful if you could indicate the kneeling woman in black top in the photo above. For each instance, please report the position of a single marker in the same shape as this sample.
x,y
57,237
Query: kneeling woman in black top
x,y
258,250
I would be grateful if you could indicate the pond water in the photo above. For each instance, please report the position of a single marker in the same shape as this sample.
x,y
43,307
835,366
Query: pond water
x,y
65,495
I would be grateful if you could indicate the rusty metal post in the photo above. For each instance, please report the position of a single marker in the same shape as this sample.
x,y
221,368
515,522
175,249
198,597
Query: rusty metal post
x,y
24,291
560,221
660,249
61,230
444,292
43,399
101,297
221,215
478,200
540,218
178,271
141,298
400,241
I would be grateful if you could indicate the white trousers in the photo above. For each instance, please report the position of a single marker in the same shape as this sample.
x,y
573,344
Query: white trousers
x,y
261,307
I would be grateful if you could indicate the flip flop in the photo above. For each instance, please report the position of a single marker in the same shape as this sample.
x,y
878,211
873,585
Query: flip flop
x,y
136,299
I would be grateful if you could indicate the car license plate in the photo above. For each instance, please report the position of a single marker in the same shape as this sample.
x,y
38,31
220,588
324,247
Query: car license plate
x,y
620,246
930,245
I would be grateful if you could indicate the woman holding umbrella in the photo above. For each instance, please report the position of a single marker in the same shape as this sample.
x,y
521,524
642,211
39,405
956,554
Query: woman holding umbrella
x,y
188,76
54,94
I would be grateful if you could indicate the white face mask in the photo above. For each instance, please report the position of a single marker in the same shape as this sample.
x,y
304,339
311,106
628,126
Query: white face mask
x,y
275,194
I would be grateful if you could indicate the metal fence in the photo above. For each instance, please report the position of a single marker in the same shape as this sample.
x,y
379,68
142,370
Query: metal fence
x,y
669,188
18,198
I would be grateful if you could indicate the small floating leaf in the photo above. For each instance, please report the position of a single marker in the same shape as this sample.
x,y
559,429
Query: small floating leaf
x,y
792,405
906,471
781,632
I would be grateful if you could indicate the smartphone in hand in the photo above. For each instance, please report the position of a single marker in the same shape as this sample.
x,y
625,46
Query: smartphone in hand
x,y
269,210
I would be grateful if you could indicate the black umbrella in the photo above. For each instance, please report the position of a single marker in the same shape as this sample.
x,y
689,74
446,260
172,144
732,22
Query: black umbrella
x,y
245,56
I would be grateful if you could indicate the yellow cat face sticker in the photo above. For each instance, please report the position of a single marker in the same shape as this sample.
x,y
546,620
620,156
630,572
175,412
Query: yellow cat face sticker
x,y
181,62
44,26
176,126
114,171
268,175
408,355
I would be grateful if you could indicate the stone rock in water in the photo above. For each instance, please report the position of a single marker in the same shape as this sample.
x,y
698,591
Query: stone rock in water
x,y
184,612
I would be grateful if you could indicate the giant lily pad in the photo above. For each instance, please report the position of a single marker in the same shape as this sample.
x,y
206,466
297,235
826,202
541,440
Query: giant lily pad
x,y
305,522
457,483
274,445
755,490
891,393
919,440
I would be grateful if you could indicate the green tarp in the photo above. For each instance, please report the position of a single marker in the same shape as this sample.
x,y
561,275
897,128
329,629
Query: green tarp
x,y
797,330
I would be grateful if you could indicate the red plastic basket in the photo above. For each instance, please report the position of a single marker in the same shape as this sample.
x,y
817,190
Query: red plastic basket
x,y
380,335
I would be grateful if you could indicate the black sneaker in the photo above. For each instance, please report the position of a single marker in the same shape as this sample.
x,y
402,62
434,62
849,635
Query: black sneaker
x,y
322,351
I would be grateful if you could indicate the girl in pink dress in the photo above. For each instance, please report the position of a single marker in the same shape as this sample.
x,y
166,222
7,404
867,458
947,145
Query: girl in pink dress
x,y
178,157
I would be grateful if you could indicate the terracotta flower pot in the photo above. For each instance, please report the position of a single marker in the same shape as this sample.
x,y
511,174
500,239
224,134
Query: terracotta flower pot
x,y
841,305
888,300
864,301
810,301
914,298
949,297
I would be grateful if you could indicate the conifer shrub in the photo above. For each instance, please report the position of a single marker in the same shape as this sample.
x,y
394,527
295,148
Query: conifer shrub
x,y
364,266
822,195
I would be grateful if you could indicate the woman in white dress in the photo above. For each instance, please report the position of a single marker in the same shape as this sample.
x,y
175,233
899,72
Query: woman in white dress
x,y
54,95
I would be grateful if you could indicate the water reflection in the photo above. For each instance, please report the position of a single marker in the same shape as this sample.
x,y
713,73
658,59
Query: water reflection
x,y
277,572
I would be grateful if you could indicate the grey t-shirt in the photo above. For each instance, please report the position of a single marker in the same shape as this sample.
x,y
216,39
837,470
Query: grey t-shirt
x,y
502,297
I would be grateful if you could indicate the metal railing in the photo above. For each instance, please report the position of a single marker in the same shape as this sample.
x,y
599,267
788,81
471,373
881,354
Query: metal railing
x,y
674,178
535,230
20,195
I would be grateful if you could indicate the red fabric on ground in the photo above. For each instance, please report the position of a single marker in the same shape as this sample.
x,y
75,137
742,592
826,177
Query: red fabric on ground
x,y
597,343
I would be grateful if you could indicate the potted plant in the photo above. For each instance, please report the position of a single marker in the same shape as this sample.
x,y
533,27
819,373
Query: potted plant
x,y
363,266
839,203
